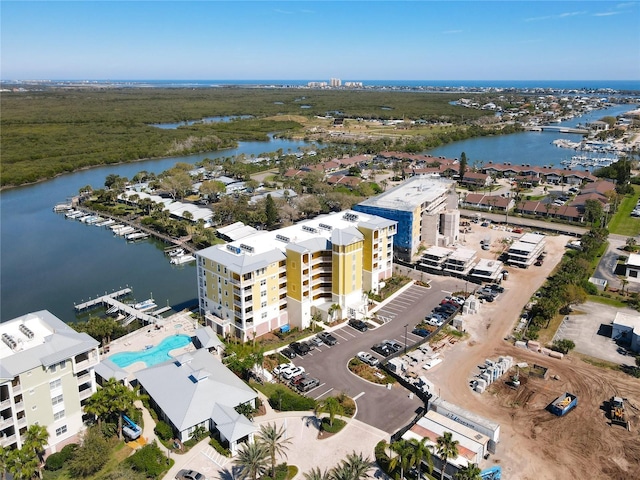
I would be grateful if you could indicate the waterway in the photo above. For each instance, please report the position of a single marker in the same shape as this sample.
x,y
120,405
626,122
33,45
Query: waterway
x,y
525,148
49,262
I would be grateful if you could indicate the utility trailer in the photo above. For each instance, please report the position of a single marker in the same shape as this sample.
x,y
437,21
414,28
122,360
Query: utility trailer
x,y
618,413
563,404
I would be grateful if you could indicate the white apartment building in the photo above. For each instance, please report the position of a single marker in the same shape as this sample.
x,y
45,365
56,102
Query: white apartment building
x,y
46,373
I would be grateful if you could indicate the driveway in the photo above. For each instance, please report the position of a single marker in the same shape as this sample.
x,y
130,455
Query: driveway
x,y
329,364
590,329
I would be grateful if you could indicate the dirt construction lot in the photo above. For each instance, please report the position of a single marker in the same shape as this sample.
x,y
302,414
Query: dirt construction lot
x,y
534,444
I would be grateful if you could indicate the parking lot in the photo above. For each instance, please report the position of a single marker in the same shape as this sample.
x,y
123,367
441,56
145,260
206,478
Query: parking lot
x,y
329,363
589,326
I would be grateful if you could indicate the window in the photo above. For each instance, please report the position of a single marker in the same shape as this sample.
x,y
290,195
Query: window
x,y
263,304
56,400
61,430
58,415
263,282
264,315
52,368
218,267
55,384
263,293
63,365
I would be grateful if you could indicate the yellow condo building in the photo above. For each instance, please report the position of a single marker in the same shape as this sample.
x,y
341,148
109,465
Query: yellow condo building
x,y
281,279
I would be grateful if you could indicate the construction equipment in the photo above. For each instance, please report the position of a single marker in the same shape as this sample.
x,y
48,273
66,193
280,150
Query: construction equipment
x,y
618,414
563,404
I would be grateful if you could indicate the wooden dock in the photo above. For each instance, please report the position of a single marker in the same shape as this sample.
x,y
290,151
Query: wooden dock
x,y
101,300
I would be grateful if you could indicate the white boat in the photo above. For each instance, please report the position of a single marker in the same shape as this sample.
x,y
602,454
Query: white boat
x,y
105,223
177,252
136,236
62,207
124,230
148,304
116,227
180,259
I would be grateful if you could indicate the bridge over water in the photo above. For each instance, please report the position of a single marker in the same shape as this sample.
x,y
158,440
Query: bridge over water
x,y
556,128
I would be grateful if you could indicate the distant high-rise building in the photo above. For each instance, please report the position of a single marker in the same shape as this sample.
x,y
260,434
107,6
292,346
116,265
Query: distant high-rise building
x,y
335,82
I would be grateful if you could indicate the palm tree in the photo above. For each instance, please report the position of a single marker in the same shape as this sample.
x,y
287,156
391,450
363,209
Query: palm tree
x,y
422,453
36,439
470,472
274,441
317,474
447,448
118,399
96,405
358,465
253,460
22,464
331,406
405,457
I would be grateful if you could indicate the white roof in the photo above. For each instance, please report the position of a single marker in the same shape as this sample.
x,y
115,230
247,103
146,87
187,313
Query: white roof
x,y
463,254
534,238
629,320
188,388
438,252
487,265
633,260
411,193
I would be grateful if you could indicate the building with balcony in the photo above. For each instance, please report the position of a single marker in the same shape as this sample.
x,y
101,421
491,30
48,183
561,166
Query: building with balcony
x,y
425,208
283,278
524,252
46,374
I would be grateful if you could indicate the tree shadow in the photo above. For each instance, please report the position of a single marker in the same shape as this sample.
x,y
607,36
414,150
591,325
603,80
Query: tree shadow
x,y
233,473
312,421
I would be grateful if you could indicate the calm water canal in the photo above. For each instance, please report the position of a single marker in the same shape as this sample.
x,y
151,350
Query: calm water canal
x,y
49,262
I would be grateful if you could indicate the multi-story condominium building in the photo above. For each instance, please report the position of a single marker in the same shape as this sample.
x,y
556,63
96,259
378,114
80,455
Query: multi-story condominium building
x,y
283,278
524,252
46,373
425,208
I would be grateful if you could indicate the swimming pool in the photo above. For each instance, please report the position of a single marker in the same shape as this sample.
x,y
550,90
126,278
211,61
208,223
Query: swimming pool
x,y
153,355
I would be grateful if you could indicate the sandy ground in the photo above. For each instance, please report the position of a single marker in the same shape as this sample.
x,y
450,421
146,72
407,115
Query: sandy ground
x,y
535,444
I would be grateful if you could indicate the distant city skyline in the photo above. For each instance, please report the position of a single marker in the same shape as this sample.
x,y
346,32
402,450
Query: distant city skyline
x,y
347,40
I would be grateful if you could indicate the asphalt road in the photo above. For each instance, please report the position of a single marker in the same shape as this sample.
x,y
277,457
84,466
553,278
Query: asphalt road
x,y
329,364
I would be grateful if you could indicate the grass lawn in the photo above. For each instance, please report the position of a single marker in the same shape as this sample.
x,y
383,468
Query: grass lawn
x,y
622,222
612,302
545,335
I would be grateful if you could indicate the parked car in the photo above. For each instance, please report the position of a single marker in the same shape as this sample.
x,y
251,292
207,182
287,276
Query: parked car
x,y
436,322
487,298
294,372
190,475
282,368
301,348
288,352
496,288
395,346
358,325
327,338
316,341
421,332
382,349
368,358
307,384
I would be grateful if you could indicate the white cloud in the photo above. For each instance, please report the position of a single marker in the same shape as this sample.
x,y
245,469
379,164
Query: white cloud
x,y
606,14
555,17
451,32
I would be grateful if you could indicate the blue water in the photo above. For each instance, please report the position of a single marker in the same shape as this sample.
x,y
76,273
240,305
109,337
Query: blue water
x,y
151,356
51,263
219,119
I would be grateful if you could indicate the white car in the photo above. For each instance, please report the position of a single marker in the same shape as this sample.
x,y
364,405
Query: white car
x,y
294,372
280,369
368,358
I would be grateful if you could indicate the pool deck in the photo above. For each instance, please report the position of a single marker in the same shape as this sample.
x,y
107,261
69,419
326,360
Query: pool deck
x,y
179,323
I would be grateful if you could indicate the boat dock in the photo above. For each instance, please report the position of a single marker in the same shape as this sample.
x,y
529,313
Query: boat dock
x,y
101,300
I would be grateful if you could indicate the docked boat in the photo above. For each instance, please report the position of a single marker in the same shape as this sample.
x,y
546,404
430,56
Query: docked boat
x,y
105,223
148,304
124,230
62,207
136,236
180,259
177,252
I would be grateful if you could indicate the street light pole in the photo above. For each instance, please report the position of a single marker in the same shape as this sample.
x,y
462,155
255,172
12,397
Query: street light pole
x,y
405,338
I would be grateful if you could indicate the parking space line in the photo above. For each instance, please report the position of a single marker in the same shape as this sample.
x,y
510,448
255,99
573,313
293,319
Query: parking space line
x,y
335,332
323,394
358,396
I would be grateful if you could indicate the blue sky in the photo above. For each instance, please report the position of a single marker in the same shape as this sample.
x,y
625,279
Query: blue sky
x,y
316,40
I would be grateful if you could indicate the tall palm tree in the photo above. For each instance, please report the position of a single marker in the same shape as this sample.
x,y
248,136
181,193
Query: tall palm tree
x,y
317,474
253,460
405,457
358,465
422,453
330,406
96,405
275,442
470,472
36,440
447,448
